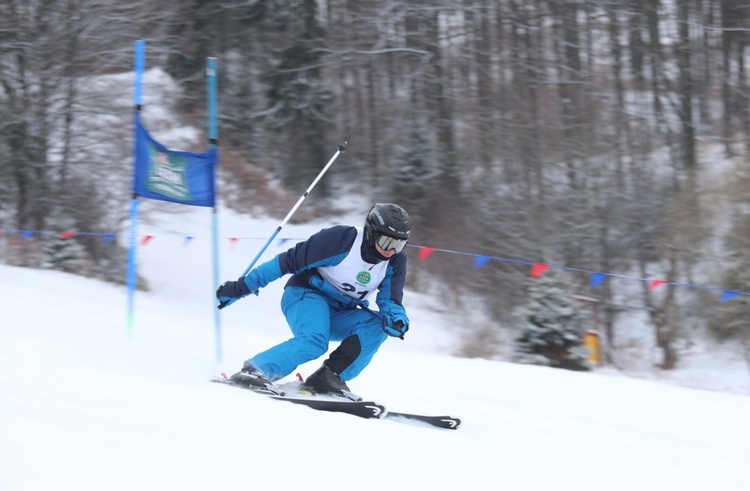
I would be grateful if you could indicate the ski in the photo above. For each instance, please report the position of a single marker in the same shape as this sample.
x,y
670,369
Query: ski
x,y
363,409
446,422
292,392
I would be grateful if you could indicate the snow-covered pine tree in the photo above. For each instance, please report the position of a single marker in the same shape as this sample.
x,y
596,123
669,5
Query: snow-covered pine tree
x,y
297,94
63,254
550,326
415,169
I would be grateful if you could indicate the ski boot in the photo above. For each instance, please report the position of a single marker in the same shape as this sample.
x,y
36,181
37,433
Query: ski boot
x,y
326,381
252,378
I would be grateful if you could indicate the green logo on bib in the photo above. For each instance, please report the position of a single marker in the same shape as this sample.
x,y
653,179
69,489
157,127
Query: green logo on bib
x,y
363,277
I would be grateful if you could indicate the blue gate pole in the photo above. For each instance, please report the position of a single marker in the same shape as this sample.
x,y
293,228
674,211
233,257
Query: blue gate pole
x,y
140,55
213,142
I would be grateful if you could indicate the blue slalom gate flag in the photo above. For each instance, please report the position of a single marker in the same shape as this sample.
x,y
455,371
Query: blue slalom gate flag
x,y
169,175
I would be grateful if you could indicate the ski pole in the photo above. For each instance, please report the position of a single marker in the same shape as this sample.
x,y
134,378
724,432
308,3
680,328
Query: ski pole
x,y
339,150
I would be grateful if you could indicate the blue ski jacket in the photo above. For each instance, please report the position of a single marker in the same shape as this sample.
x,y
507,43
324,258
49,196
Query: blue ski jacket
x,y
330,247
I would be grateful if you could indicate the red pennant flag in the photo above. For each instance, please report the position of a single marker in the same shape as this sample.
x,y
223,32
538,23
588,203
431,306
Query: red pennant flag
x,y
656,283
538,269
233,243
146,239
67,234
425,252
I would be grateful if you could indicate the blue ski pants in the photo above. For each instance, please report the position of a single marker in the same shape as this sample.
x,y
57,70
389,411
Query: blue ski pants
x,y
315,321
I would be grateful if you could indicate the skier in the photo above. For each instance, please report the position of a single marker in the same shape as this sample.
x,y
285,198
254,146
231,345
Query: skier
x,y
333,272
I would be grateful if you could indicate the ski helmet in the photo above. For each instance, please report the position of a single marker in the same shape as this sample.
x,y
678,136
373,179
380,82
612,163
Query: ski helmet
x,y
389,226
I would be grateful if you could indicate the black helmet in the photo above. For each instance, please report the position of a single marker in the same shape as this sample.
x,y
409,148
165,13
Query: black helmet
x,y
388,225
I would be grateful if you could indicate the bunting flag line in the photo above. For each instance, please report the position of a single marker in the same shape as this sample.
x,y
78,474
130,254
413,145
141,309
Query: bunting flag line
x,y
65,234
596,278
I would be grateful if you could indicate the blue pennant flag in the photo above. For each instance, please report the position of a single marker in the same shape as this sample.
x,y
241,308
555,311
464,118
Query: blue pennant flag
x,y
480,261
168,175
596,279
727,294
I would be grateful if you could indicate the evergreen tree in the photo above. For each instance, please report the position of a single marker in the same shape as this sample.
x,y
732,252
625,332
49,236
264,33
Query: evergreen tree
x,y
63,254
550,324
729,320
415,172
297,95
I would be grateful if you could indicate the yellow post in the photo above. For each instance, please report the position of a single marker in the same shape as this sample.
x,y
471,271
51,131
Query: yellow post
x,y
591,341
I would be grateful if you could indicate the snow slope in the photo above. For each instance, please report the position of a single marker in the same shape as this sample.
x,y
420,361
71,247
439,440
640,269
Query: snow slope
x,y
86,406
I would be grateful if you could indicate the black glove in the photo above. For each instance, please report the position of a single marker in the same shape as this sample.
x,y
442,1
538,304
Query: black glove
x,y
231,291
393,325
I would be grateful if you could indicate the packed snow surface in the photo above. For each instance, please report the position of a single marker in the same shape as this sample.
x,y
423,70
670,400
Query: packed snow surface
x,y
87,405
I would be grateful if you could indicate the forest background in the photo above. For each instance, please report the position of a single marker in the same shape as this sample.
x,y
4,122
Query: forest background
x,y
607,136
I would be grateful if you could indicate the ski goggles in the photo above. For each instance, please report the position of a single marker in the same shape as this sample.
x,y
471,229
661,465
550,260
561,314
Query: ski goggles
x,y
387,243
